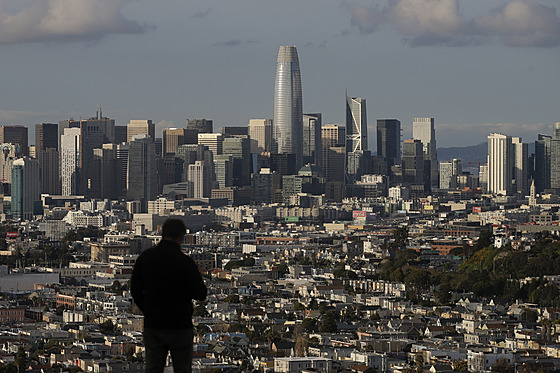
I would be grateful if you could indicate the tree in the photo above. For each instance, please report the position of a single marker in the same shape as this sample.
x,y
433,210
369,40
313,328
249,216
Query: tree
x,y
502,366
21,360
309,324
328,323
107,327
400,235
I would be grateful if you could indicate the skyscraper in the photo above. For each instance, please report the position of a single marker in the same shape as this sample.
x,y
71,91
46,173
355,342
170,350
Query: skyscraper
x,y
413,162
287,129
312,144
334,152
140,127
542,162
46,136
142,170
356,124
172,138
555,157
260,134
26,188
520,165
423,129
70,161
500,155
389,141
13,134
201,125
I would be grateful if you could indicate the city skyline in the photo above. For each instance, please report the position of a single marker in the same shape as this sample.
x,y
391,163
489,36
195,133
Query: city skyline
x,y
473,81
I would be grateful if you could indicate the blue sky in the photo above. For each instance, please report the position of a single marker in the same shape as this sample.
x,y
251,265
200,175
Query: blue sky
x,y
477,66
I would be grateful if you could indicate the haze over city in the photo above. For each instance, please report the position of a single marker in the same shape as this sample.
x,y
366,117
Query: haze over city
x,y
476,66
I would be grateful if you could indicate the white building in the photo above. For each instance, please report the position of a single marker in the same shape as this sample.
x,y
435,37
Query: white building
x,y
297,364
500,159
423,129
70,161
260,133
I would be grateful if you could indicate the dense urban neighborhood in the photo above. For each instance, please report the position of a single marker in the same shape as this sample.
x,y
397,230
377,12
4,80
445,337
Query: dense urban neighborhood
x,y
453,282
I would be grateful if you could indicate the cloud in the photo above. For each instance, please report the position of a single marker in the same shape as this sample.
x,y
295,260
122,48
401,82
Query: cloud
x,y
234,43
203,14
161,125
52,21
474,133
519,23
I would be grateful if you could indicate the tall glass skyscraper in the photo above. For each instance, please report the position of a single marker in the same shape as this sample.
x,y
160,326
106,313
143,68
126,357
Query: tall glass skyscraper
x,y
356,124
287,126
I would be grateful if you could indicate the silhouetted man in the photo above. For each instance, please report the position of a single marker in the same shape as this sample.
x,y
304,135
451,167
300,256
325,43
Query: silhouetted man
x,y
164,282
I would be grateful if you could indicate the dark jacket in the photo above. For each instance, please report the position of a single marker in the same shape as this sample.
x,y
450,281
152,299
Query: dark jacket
x,y
164,282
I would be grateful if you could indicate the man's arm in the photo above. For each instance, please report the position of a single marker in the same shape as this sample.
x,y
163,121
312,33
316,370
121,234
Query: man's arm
x,y
197,288
136,285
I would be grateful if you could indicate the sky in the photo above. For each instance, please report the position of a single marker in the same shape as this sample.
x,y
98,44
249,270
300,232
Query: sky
x,y
476,66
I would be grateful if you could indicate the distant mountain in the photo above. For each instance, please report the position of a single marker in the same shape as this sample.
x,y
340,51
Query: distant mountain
x,y
470,155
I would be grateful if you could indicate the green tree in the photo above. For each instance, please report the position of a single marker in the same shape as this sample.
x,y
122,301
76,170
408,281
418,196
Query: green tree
x,y
21,360
400,235
328,323
502,366
107,327
309,324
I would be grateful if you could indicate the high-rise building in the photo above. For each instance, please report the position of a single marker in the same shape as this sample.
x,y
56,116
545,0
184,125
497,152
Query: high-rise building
x,y
413,162
260,134
520,165
500,164
423,129
8,154
120,134
49,165
287,129
333,138
26,188
201,125
142,174
199,180
108,172
213,141
172,138
389,141
233,131
140,127
94,132
70,161
240,150
542,163
312,144
223,169
46,136
555,157
448,172
356,124
15,134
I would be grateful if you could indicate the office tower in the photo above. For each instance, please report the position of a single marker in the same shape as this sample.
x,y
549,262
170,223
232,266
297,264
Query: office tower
x,y
555,157
142,171
172,169
389,141
483,177
46,136
120,134
312,144
448,172
199,180
231,131
333,138
520,163
140,127
223,169
288,106
15,134
172,137
358,163
260,133
94,132
122,157
413,162
201,125
542,162
423,129
70,161
213,141
356,124
8,154
107,180
49,166
500,165
239,148
26,188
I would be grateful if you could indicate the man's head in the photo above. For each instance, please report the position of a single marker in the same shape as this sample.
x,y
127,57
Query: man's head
x,y
174,230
